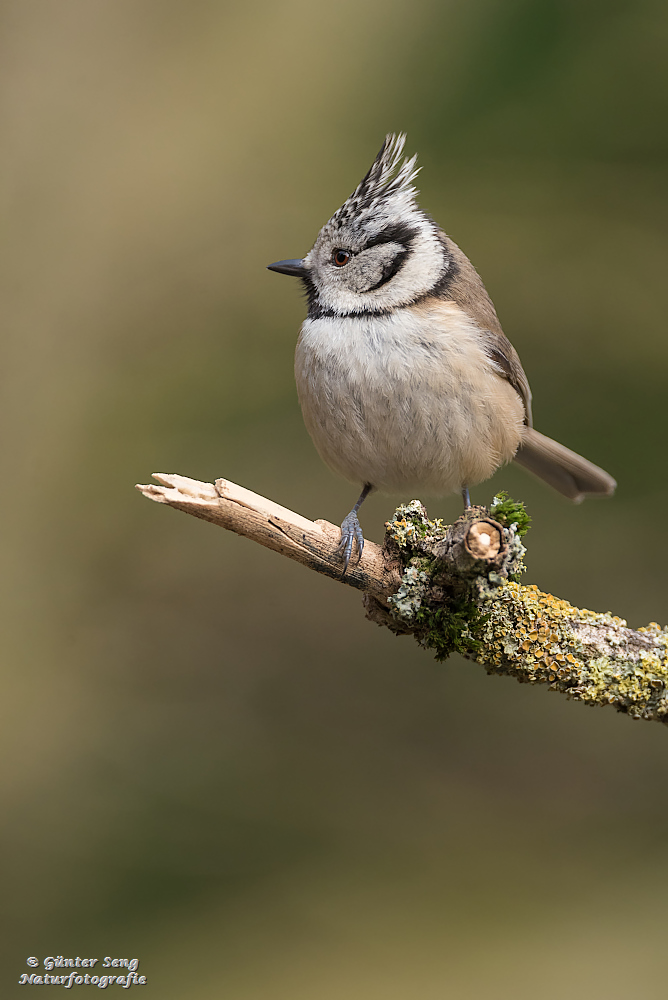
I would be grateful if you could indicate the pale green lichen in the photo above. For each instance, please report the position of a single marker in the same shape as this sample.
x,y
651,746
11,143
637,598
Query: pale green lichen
x,y
415,582
411,525
514,562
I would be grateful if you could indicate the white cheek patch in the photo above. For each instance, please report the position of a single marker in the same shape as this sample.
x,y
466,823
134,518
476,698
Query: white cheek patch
x,y
367,268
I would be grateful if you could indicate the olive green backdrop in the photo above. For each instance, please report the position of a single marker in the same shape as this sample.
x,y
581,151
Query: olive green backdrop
x,y
211,761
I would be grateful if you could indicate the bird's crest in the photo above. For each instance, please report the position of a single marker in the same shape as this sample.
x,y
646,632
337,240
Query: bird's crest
x,y
388,181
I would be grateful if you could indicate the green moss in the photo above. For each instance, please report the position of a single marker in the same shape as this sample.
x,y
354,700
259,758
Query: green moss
x,y
510,512
451,629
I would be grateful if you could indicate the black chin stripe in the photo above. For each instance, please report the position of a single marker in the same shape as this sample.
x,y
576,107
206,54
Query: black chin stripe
x,y
318,311
312,300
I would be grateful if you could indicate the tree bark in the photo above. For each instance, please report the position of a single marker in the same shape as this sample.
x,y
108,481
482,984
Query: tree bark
x,y
456,588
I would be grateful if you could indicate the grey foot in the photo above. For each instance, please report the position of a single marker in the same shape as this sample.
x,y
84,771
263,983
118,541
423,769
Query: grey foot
x,y
351,533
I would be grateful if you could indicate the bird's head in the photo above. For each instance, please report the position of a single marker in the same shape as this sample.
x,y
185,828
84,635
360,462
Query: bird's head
x,y
379,251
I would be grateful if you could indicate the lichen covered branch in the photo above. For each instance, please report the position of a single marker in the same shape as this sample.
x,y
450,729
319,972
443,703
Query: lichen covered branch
x,y
456,588
453,596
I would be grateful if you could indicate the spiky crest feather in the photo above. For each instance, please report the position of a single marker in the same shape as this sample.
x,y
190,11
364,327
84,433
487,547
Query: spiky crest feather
x,y
387,180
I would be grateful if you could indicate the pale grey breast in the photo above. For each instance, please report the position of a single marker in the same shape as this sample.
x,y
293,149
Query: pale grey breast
x,y
408,400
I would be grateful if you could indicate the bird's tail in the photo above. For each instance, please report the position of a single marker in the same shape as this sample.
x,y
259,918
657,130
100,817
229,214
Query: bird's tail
x,y
561,468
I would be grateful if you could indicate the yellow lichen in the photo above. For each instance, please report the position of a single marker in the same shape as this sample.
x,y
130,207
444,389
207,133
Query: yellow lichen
x,y
536,637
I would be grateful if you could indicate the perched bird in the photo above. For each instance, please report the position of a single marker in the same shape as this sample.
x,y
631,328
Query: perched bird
x,y
405,377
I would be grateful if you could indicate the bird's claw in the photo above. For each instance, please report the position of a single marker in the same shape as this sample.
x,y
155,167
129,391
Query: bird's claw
x,y
351,533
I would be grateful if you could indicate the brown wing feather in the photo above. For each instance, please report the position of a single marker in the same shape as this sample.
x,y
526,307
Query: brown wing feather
x,y
465,287
505,357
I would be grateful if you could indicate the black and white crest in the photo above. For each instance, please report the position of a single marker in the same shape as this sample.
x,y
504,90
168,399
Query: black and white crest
x,y
386,189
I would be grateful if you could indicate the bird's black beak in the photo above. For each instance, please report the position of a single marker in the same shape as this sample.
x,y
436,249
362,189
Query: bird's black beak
x,y
294,267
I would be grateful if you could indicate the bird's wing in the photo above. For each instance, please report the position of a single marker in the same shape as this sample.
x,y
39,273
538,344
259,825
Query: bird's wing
x,y
509,366
464,286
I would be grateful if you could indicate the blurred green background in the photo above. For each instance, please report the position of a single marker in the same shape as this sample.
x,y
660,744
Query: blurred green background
x,y
212,762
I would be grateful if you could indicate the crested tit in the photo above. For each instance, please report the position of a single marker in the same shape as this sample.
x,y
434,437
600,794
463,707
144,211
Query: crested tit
x,y
405,377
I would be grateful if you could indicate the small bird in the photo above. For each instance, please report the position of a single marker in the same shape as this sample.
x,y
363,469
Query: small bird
x,y
405,378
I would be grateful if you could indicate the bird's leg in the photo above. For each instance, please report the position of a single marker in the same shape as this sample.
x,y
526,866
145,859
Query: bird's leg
x,y
465,497
351,531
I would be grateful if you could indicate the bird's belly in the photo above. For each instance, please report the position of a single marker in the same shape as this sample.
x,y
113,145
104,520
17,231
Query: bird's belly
x,y
388,402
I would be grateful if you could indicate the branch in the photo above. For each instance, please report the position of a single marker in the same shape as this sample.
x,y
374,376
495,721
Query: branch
x,y
455,588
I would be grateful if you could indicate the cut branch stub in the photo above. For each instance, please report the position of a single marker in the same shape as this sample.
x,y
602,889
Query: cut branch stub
x,y
484,540
474,544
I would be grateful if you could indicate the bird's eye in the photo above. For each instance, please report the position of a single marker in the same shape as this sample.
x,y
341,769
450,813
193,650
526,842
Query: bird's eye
x,y
340,258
